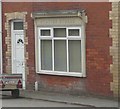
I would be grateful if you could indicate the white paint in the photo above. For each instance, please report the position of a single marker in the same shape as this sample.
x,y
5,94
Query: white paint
x,y
83,49
36,86
18,58
1,37
18,52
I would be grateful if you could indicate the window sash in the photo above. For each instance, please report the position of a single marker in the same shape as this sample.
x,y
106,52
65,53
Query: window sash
x,y
74,37
46,54
60,55
59,34
39,32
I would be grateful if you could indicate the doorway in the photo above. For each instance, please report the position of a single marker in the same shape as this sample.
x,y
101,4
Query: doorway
x,y
18,57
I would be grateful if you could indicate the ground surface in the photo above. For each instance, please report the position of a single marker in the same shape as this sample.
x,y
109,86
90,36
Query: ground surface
x,y
8,101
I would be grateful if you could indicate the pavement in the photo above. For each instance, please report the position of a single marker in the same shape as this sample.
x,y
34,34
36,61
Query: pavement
x,y
8,101
70,99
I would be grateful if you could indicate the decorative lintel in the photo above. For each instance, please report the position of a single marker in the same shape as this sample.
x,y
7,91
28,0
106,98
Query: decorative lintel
x,y
58,13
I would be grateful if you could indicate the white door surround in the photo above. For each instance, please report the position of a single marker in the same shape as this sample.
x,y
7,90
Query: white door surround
x,y
18,58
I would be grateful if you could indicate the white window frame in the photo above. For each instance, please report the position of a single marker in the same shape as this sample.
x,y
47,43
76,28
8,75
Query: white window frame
x,y
70,37
39,33
52,38
12,24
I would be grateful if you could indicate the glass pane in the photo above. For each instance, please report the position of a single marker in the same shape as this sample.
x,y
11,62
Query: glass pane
x,y
45,32
73,32
18,25
59,32
74,56
46,55
60,56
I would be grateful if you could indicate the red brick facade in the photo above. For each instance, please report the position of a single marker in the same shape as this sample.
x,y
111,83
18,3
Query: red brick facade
x,y
98,59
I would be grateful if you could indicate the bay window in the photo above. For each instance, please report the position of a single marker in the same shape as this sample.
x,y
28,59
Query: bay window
x,y
60,42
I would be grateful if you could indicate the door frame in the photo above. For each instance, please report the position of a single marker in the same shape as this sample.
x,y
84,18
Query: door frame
x,y
12,51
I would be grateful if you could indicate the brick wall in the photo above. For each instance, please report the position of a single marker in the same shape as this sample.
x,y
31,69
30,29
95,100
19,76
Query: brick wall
x,y
98,57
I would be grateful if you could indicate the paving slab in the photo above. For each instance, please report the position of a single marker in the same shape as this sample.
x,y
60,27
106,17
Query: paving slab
x,y
82,100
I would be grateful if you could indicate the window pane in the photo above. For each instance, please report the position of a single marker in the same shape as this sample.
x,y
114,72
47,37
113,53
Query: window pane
x,y
46,55
60,56
74,56
45,32
73,32
18,25
59,32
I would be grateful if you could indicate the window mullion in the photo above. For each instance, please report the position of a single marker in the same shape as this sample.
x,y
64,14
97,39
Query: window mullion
x,y
52,50
67,56
67,50
53,54
39,55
